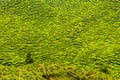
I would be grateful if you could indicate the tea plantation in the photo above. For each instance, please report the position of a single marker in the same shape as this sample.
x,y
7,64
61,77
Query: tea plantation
x,y
59,39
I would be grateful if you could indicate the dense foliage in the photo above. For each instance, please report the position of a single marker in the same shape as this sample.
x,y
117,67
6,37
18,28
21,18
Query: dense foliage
x,y
50,72
85,33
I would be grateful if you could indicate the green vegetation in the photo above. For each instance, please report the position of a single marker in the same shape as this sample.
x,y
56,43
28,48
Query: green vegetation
x,y
82,33
51,72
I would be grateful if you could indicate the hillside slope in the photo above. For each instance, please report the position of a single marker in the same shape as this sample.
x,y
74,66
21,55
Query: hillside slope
x,y
85,33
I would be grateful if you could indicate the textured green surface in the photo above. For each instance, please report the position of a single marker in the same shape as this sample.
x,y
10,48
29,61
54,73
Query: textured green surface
x,y
85,33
